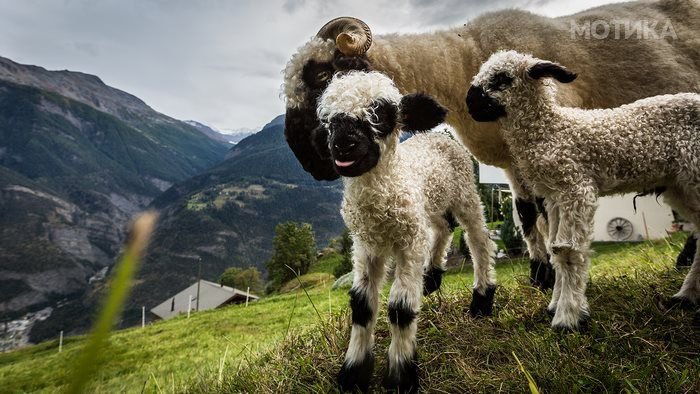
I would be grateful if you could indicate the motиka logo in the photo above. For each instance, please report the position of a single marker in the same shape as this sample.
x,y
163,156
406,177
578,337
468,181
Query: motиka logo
x,y
624,29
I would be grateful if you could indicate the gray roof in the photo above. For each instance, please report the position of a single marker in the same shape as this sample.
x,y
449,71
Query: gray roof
x,y
211,295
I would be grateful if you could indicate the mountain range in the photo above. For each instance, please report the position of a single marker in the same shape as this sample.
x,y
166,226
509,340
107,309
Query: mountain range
x,y
233,136
79,158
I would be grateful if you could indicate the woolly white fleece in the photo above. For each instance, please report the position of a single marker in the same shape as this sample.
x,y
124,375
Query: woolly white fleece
x,y
397,209
572,156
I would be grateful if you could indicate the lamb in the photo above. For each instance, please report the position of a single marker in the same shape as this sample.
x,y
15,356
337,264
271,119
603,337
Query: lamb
x,y
572,156
613,72
397,198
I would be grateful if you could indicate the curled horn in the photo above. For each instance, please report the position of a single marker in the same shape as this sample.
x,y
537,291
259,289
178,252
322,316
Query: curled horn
x,y
352,36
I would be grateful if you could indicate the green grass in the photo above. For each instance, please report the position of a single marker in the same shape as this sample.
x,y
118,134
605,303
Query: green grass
x,y
281,344
327,263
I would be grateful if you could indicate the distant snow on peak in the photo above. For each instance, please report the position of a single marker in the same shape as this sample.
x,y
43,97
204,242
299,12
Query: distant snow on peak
x,y
231,136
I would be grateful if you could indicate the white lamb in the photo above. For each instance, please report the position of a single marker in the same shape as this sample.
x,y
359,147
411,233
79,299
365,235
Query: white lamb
x,y
572,156
396,202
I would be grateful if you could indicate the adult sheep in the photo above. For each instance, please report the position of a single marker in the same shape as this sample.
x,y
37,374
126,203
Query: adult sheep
x,y
650,144
614,70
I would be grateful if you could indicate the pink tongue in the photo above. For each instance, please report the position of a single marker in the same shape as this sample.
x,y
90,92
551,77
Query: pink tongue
x,y
344,163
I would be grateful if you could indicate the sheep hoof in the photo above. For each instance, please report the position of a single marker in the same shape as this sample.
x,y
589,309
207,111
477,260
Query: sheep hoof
x,y
356,376
551,311
402,378
482,305
541,275
432,280
581,326
680,302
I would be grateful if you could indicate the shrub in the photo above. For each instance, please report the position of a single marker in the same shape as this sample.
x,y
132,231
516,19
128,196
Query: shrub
x,y
509,233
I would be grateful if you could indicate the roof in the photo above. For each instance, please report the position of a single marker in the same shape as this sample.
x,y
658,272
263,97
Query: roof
x,y
211,295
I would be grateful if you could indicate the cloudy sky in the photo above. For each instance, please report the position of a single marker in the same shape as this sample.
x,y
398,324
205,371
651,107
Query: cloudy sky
x,y
218,62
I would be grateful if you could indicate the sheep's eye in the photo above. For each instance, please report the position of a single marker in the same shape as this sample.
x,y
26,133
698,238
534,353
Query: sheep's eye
x,y
323,76
500,81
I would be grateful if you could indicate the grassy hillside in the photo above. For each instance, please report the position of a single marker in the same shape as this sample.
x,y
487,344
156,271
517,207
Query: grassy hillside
x,y
227,216
283,344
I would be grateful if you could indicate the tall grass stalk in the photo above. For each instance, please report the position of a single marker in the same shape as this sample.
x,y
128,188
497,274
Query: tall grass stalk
x,y
89,360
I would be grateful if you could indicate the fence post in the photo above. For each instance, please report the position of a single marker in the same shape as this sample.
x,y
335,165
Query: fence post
x,y
60,342
247,295
143,316
189,307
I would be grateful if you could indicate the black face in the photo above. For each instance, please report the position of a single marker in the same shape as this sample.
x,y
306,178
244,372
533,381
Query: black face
x,y
351,143
482,107
301,122
353,150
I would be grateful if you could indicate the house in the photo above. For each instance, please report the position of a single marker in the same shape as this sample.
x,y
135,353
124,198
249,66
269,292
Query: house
x,y
615,219
211,295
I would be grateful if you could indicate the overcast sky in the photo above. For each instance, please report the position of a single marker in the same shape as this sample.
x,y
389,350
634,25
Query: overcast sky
x,y
218,62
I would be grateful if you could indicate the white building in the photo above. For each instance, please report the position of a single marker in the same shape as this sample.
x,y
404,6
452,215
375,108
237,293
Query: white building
x,y
211,295
615,219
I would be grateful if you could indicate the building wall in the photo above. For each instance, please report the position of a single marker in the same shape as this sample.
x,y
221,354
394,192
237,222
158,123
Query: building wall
x,y
657,215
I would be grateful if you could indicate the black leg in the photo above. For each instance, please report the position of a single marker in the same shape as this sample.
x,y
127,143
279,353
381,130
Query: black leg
x,y
404,377
432,280
685,258
356,372
482,305
356,376
542,274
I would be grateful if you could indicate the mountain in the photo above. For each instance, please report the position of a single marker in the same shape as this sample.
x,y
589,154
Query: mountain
x,y
227,215
237,135
228,136
77,159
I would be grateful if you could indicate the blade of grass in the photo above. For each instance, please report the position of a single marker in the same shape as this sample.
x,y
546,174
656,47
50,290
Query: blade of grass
x,y
320,319
88,361
530,380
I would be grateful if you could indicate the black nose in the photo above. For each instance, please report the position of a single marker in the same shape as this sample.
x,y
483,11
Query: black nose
x,y
344,145
482,107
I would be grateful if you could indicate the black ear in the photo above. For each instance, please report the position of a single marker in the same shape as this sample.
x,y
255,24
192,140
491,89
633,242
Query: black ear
x,y
385,117
319,139
554,70
420,112
299,124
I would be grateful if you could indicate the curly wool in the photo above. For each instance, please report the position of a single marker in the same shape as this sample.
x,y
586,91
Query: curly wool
x,y
354,93
613,71
294,89
572,156
442,63
635,147
398,209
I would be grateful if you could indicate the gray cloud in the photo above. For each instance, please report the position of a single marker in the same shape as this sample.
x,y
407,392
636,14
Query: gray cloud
x,y
217,62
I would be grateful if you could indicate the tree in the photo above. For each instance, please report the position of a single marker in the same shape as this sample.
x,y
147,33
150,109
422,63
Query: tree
x,y
509,234
294,250
241,279
345,265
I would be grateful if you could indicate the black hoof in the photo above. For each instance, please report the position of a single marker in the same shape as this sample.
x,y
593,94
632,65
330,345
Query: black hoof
x,y
680,302
685,257
403,378
432,280
542,275
356,376
482,305
583,326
